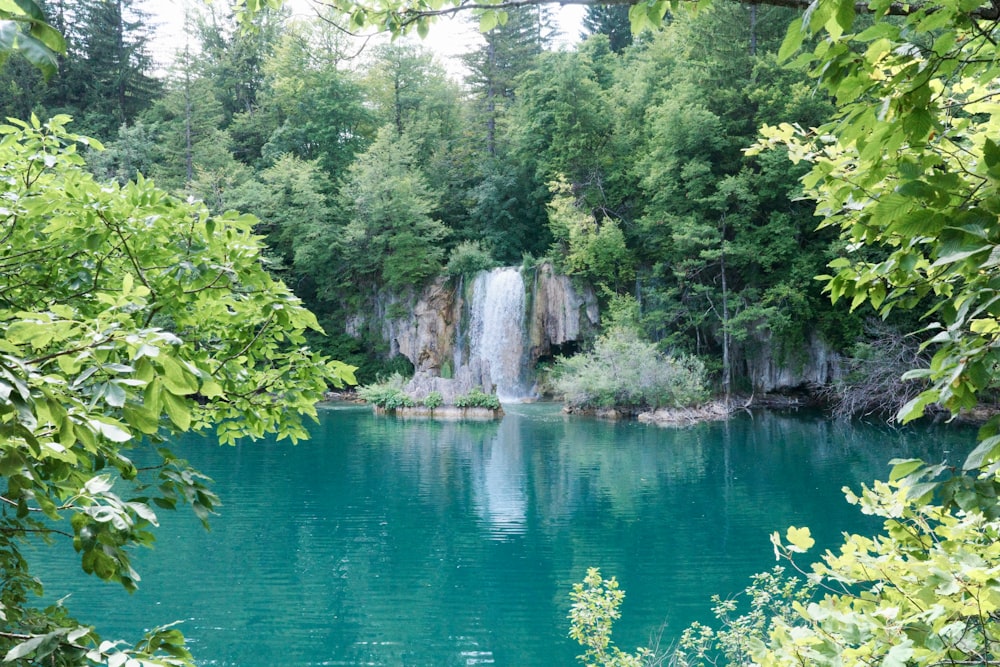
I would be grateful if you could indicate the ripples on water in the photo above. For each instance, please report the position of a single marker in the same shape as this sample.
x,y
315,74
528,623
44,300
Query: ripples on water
x,y
387,542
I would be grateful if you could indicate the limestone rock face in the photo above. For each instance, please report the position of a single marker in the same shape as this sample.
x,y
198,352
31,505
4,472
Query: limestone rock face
x,y
425,332
442,330
815,365
559,312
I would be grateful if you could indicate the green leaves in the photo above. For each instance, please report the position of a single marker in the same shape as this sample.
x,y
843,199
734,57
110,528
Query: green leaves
x,y
176,379
132,315
794,38
908,173
23,31
595,607
490,19
38,647
648,15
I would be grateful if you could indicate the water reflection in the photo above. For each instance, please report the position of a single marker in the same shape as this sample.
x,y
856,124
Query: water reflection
x,y
421,543
501,482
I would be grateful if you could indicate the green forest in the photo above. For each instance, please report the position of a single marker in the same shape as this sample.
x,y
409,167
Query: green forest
x,y
621,159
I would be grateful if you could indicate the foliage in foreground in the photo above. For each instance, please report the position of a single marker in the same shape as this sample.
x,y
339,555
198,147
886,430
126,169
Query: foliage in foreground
x,y
909,174
624,371
771,598
595,608
127,316
923,592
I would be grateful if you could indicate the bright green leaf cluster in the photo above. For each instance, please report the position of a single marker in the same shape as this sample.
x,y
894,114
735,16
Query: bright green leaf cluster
x,y
127,316
770,599
595,607
585,249
24,30
923,592
909,173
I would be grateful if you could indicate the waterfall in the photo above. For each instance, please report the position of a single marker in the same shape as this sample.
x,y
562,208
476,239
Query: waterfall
x,y
485,331
497,332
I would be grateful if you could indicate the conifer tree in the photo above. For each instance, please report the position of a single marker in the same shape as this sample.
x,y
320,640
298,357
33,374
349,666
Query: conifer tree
x,y
610,20
234,59
116,65
391,238
509,51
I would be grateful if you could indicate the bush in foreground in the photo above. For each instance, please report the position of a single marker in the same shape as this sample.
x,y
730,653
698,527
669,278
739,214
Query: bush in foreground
x,y
624,371
595,608
128,317
922,592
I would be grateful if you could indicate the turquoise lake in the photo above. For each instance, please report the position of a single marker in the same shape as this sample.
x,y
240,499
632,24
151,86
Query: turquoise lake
x,y
390,542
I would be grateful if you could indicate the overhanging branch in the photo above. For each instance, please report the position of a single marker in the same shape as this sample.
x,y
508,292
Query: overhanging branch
x,y
407,16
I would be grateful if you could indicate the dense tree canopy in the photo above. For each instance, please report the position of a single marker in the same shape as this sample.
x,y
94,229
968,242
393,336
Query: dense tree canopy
x,y
649,139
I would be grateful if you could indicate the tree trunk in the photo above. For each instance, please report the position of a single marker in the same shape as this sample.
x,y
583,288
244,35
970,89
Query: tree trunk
x,y
491,104
726,363
188,150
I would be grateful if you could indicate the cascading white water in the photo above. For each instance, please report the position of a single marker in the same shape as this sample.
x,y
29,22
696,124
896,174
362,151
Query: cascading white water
x,y
496,331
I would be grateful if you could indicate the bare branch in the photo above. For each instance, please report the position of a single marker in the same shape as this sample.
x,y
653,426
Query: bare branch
x,y
872,384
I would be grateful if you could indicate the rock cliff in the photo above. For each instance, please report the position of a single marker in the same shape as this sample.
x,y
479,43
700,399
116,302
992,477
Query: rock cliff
x,y
772,371
489,331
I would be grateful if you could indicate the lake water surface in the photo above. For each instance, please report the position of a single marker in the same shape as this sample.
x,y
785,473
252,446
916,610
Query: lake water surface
x,y
390,542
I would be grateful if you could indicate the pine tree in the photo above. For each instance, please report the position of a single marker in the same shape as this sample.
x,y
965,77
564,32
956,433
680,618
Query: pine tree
x,y
610,20
234,58
189,118
116,64
21,88
509,51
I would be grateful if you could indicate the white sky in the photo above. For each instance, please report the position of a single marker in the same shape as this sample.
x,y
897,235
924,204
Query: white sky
x,y
448,37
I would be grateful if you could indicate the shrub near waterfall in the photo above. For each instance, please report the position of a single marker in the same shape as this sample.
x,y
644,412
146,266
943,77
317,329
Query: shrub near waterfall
x,y
387,394
477,399
623,371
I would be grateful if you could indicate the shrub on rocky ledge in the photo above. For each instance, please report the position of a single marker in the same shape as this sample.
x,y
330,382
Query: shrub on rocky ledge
x,y
432,400
387,394
477,399
390,395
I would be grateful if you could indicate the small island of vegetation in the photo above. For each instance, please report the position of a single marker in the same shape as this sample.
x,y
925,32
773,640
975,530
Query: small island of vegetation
x,y
390,397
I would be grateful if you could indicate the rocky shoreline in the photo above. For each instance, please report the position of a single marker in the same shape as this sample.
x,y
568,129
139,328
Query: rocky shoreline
x,y
713,411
